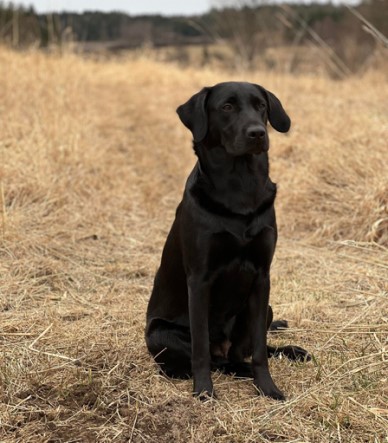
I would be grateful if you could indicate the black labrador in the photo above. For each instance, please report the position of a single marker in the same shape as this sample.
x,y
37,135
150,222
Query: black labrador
x,y
209,305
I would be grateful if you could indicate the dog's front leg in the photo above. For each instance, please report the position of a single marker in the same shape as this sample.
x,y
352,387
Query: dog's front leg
x,y
199,328
258,311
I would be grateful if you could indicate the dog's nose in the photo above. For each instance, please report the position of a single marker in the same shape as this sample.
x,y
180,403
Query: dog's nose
x,y
256,132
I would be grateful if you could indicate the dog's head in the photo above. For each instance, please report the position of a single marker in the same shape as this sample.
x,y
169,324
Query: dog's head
x,y
234,115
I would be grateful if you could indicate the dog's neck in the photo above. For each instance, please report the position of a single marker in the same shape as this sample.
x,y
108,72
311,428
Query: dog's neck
x,y
240,184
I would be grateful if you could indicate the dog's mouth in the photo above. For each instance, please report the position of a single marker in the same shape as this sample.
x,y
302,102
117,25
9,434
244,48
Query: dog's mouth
x,y
243,147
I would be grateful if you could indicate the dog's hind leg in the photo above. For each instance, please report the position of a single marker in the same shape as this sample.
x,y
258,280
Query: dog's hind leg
x,y
170,346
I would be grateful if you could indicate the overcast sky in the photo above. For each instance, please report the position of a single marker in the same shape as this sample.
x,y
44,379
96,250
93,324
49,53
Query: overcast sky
x,y
133,7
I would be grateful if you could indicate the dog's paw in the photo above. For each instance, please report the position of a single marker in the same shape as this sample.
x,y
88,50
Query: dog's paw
x,y
278,325
276,395
265,385
205,396
203,389
271,391
296,353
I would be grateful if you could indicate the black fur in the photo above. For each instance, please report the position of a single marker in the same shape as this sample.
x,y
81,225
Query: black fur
x,y
209,307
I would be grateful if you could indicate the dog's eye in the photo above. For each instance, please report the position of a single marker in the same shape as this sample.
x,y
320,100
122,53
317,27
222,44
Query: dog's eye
x,y
227,107
261,106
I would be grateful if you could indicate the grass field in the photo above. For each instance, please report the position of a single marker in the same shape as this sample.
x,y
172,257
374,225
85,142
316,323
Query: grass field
x,y
93,163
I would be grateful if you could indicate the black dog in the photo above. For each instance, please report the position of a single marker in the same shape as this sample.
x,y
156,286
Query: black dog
x,y
209,305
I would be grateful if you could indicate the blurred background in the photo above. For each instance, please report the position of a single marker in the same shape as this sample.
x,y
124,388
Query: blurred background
x,y
338,38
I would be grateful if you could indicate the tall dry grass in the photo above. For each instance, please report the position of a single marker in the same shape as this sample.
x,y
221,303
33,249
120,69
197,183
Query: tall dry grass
x,y
93,164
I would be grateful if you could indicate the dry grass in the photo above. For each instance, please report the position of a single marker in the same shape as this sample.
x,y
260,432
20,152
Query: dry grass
x,y
93,164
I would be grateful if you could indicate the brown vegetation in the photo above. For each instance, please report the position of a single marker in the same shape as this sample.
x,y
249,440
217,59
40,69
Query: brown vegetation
x,y
93,163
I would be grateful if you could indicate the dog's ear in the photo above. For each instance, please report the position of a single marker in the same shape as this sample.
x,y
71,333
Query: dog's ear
x,y
193,114
276,114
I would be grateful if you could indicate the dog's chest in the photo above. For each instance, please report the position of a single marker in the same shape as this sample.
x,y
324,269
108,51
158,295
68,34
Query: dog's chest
x,y
234,264
243,247
243,233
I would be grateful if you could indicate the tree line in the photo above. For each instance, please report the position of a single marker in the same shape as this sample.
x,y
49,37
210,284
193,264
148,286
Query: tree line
x,y
351,33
